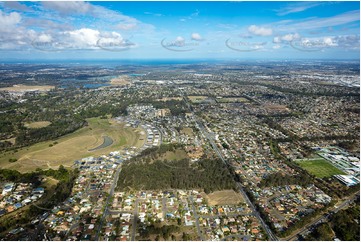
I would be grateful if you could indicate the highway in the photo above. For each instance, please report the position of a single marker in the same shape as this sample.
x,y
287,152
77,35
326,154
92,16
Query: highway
x,y
219,153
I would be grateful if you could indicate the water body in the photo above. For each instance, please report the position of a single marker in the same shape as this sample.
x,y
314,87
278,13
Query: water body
x,y
107,141
95,85
136,74
88,83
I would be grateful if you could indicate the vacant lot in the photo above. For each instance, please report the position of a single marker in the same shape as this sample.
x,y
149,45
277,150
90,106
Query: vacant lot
x,y
319,167
232,100
224,197
67,149
26,88
36,125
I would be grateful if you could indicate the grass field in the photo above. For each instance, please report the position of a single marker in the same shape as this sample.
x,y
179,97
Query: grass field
x,y
197,99
232,100
224,197
319,167
74,146
36,125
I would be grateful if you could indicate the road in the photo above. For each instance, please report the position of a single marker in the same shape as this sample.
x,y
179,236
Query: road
x,y
219,153
324,217
255,212
106,211
196,218
135,219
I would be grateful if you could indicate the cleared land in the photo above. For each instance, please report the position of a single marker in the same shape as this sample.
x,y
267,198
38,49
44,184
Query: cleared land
x,y
26,88
187,131
224,197
120,81
176,155
232,100
319,167
74,146
36,125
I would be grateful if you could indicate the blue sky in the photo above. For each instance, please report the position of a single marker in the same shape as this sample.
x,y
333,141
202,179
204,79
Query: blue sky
x,y
179,30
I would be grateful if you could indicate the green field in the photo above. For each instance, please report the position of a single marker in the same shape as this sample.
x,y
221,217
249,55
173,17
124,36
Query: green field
x,y
319,167
232,100
79,144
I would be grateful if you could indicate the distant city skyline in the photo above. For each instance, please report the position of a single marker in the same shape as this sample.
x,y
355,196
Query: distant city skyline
x,y
179,30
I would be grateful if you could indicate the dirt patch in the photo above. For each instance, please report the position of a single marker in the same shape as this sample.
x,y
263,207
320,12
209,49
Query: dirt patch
x,y
37,125
224,197
120,81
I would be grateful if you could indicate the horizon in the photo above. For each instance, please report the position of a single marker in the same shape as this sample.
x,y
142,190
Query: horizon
x,y
99,31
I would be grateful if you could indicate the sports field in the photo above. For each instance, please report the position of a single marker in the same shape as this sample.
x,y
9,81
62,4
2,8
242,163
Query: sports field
x,y
77,145
319,167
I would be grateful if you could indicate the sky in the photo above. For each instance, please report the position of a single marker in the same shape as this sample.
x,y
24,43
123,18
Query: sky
x,y
179,30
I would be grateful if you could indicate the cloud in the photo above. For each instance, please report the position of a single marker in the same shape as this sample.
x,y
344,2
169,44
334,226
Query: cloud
x,y
195,14
297,7
179,39
286,38
261,31
69,7
347,42
46,24
16,6
276,47
9,21
315,23
45,38
154,14
196,37
82,38
126,26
